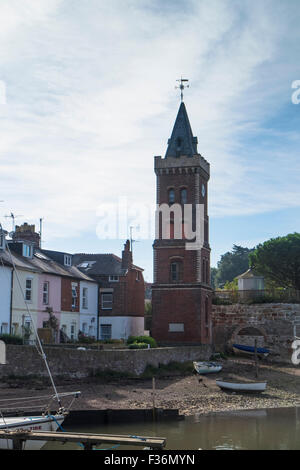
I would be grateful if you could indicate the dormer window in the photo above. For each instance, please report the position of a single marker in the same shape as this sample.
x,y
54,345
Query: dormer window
x,y
27,250
68,260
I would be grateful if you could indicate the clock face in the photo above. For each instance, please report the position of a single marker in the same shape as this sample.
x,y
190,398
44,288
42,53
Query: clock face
x,y
203,190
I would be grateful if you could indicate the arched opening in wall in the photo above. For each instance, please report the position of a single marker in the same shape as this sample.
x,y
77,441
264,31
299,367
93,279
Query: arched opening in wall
x,y
246,335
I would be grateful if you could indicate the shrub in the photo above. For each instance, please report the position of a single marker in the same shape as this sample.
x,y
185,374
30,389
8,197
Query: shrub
x,y
11,339
142,339
138,346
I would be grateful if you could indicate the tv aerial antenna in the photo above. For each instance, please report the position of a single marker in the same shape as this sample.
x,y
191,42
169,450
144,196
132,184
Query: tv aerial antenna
x,y
12,217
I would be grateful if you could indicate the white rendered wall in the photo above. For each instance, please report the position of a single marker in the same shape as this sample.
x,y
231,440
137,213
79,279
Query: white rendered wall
x,y
5,295
123,327
88,316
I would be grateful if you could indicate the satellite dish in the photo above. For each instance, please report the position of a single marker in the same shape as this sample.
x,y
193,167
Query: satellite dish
x,y
11,234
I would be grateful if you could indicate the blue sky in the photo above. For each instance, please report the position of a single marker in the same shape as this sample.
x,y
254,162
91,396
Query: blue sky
x,y
90,99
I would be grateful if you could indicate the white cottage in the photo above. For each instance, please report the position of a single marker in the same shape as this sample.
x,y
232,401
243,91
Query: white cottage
x,y
250,281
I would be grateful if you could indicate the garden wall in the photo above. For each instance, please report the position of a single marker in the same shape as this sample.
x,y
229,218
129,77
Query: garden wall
x,y
25,361
271,324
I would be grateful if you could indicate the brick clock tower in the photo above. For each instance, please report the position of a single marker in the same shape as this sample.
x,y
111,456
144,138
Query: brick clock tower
x,y
181,292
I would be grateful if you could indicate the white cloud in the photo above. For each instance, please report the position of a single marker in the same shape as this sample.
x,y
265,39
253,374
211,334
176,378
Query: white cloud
x,y
90,101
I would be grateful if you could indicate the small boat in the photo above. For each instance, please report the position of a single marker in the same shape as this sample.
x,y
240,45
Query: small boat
x,y
242,386
250,349
30,423
207,367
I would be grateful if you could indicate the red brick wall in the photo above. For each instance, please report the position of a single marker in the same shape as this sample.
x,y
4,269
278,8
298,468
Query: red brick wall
x,y
181,306
128,296
66,295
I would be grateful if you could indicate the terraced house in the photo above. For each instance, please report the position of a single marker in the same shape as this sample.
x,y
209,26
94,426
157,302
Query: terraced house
x,y
121,292
49,286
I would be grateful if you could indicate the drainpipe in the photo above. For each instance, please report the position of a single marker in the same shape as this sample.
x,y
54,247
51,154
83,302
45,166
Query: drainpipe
x,y
11,300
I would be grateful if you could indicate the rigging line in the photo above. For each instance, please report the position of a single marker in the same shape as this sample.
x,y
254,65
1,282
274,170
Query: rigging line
x,y
33,323
39,397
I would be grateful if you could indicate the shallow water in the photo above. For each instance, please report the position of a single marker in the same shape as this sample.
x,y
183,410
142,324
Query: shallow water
x,y
271,429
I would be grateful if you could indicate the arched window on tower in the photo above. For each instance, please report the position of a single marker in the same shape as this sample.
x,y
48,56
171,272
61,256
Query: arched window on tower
x,y
183,196
176,271
171,196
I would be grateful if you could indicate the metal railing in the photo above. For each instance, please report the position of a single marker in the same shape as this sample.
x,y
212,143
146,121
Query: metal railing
x,y
256,296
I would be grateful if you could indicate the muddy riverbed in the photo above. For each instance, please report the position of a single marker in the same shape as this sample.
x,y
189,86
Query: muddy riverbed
x,y
190,394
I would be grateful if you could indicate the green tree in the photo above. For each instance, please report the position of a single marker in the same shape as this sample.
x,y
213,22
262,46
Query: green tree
x,y
232,264
213,273
278,259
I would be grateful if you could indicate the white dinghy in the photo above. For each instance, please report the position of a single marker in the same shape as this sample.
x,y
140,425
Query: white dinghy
x,y
242,386
207,367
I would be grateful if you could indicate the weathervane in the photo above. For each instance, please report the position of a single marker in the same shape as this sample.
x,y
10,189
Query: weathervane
x,y
182,86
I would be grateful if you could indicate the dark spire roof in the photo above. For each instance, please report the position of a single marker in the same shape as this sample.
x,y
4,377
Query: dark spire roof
x,y
182,141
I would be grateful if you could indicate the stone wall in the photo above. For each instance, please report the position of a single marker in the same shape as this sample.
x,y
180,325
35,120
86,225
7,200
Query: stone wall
x,y
271,324
24,361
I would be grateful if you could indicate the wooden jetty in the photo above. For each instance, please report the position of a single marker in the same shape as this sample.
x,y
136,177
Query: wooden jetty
x,y
88,441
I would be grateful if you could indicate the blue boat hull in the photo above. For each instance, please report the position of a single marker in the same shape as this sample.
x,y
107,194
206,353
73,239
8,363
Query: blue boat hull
x,y
250,349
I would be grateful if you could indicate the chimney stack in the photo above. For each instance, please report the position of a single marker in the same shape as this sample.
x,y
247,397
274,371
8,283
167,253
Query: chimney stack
x,y
26,233
126,256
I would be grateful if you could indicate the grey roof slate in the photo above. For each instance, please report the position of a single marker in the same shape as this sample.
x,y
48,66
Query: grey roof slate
x,y
106,264
99,264
182,141
41,263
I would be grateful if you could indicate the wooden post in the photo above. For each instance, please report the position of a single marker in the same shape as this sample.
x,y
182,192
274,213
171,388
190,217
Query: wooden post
x,y
255,358
153,399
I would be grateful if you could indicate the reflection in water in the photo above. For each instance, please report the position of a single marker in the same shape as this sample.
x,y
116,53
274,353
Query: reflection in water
x,y
272,429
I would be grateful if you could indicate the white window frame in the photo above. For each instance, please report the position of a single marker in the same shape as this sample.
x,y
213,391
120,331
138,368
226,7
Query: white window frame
x,y
73,331
27,250
105,336
74,295
103,302
68,260
46,293
85,292
113,278
28,289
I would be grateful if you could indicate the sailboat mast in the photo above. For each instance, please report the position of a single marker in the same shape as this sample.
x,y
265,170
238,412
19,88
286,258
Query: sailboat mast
x,y
41,351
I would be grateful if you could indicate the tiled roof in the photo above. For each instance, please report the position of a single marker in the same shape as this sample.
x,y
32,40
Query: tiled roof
x,y
97,264
182,141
